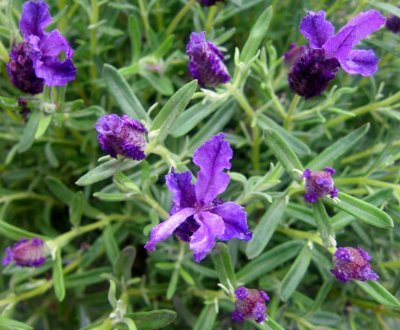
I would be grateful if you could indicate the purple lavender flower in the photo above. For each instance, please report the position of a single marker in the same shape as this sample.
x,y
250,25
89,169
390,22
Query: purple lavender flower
x,y
393,23
312,72
208,3
36,61
293,53
197,216
206,62
26,253
319,184
121,136
250,304
352,264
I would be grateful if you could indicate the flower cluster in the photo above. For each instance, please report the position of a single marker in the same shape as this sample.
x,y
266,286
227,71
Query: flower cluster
x,y
319,184
393,24
26,253
208,3
121,136
250,304
36,61
206,62
327,52
197,215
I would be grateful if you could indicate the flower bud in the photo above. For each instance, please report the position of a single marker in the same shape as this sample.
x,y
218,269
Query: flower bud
x,y
250,304
26,253
319,184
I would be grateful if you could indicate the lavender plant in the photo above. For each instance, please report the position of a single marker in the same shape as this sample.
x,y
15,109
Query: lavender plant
x,y
110,108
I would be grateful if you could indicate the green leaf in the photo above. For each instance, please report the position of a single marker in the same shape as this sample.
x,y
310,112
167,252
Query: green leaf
x,y
257,34
9,324
264,230
123,94
86,278
76,208
172,109
379,293
28,135
164,47
223,265
110,244
16,233
124,263
361,210
173,283
387,7
105,170
337,149
135,36
153,320
296,273
323,222
268,261
283,153
206,319
58,277
112,297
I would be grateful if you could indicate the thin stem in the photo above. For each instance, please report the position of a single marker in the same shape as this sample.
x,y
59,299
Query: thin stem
x,y
181,14
292,107
240,98
145,18
93,38
210,18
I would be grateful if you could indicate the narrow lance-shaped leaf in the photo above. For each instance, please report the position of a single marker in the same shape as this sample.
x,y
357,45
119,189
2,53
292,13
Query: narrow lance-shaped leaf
x,y
58,277
156,319
207,318
323,222
379,293
223,265
28,135
110,244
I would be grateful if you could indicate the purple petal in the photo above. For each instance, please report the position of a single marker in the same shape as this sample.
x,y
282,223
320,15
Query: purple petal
x,y
203,240
54,72
54,44
212,157
366,22
339,46
8,257
363,62
183,191
35,18
316,28
165,229
235,220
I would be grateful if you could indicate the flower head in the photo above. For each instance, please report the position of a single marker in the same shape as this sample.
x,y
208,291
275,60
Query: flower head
x,y
36,61
393,23
330,51
197,216
208,3
352,264
319,184
250,304
121,136
293,53
206,62
26,253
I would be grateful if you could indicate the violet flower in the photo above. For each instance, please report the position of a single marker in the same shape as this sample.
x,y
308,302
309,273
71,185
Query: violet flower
x,y
26,253
121,136
393,23
250,304
293,53
352,264
311,73
36,61
197,216
208,3
206,62
319,184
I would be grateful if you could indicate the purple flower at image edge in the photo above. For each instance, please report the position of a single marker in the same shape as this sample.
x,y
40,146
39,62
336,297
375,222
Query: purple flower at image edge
x,y
250,304
352,264
393,23
26,253
206,62
36,61
327,52
197,215
319,184
121,136
207,3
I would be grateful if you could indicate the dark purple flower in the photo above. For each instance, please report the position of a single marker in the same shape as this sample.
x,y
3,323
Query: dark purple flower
x,y
24,109
26,253
393,23
38,57
197,216
352,264
319,184
206,62
330,51
207,3
121,136
250,304
293,53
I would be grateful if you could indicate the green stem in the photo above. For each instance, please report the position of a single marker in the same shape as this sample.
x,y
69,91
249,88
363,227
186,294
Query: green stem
x,y
210,18
181,14
241,99
292,107
255,148
278,105
93,39
145,18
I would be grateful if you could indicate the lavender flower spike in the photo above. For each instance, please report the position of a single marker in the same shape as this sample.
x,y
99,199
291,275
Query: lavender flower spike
x,y
319,184
250,304
206,62
26,253
208,3
36,61
197,215
352,264
121,136
393,23
311,73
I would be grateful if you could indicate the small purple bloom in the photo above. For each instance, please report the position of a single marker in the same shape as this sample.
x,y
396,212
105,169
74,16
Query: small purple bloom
x,y
330,51
121,136
206,62
293,53
36,61
197,216
26,253
319,184
393,23
208,3
352,264
250,304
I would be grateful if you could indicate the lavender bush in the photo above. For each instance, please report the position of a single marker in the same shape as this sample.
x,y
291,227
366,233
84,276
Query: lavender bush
x,y
199,165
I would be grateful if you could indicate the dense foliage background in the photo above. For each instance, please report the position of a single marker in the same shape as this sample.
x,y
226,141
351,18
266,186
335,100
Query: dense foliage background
x,y
96,214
